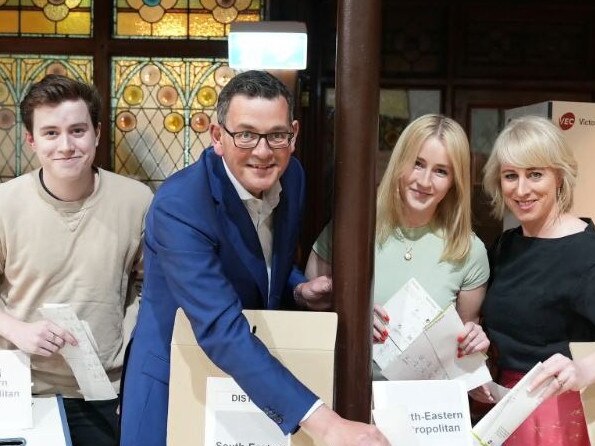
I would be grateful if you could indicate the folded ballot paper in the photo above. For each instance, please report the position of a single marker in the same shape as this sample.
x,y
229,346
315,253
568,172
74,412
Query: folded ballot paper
x,y
510,412
579,350
422,341
82,359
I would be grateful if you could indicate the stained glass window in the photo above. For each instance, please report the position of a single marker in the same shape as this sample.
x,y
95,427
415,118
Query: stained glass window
x,y
46,18
161,111
17,73
194,19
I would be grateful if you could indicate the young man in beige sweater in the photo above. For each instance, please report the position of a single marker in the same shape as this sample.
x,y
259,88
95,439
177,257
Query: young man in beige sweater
x,y
69,233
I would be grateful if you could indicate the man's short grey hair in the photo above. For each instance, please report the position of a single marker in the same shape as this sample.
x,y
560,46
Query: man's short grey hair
x,y
253,84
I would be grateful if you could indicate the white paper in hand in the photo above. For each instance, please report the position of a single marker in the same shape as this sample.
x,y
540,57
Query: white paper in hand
x,y
514,408
82,359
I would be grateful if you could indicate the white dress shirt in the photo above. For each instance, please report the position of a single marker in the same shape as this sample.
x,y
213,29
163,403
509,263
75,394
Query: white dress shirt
x,y
261,213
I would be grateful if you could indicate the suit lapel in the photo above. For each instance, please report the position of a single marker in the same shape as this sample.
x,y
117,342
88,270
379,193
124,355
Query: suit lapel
x,y
238,226
284,241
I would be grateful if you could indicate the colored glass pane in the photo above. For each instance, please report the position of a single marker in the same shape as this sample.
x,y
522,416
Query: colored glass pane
x,y
194,19
9,22
130,24
168,129
76,23
171,25
46,18
35,22
205,25
17,73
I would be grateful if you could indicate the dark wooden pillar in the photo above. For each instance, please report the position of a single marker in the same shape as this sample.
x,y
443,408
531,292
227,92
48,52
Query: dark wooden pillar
x,y
356,140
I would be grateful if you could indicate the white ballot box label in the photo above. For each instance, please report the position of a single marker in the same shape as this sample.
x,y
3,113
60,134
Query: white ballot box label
x,y
15,390
232,419
438,411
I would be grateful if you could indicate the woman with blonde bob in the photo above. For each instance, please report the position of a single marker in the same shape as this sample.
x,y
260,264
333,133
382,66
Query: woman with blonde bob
x,y
542,286
423,226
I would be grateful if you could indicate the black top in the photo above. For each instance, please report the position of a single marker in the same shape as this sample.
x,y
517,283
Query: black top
x,y
541,296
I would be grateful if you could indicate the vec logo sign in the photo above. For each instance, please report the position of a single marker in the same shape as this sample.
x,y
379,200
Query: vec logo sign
x,y
567,120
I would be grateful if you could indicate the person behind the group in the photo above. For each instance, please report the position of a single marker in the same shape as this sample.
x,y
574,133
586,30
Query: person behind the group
x,y
542,288
221,236
423,227
69,233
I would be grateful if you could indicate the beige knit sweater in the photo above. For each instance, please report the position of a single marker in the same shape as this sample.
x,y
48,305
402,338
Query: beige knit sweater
x,y
82,253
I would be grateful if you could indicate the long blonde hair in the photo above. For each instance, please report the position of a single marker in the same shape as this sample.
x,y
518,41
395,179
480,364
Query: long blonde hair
x,y
453,214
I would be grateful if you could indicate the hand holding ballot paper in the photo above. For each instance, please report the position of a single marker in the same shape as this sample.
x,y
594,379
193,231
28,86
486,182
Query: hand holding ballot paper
x,y
82,357
422,341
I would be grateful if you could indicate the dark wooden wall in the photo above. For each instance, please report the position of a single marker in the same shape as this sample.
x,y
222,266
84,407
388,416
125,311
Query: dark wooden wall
x,y
490,54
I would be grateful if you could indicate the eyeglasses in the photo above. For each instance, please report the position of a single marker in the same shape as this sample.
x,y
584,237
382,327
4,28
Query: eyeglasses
x,y
247,139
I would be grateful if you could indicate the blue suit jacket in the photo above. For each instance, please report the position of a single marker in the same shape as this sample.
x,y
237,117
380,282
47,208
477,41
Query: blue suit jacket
x,y
202,253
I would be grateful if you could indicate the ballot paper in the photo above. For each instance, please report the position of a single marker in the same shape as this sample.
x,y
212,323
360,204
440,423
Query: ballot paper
x,y
422,341
436,413
394,424
514,408
231,418
82,359
410,309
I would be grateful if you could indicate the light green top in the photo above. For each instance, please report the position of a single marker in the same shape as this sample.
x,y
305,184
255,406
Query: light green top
x,y
442,280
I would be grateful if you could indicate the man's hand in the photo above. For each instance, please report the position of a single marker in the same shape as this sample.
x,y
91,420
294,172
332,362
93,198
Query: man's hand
x,y
39,338
315,294
326,425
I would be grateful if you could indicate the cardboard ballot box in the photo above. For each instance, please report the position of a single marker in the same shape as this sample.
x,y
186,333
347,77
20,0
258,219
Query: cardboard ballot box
x,y
304,342
580,350
577,122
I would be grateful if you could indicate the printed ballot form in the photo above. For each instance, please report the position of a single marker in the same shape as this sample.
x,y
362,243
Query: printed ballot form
x,y
232,419
15,390
514,408
422,341
82,359
422,413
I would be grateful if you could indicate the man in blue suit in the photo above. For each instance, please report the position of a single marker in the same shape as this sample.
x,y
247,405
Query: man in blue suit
x,y
220,237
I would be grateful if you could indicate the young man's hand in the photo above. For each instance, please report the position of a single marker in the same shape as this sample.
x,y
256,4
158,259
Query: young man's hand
x,y
39,338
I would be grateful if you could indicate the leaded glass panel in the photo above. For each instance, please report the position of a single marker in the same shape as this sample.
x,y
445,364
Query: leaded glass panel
x,y
17,73
160,114
46,18
182,19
